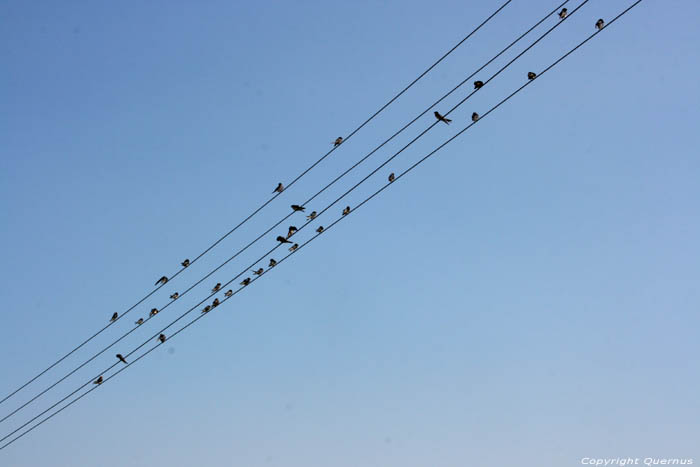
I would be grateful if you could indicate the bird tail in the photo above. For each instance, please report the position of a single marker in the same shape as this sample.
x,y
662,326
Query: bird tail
x,y
447,120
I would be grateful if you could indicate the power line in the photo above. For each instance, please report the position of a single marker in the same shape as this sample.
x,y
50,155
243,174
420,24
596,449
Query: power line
x,y
314,237
320,192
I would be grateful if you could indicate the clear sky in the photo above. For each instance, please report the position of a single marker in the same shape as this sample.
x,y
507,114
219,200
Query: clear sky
x,y
527,297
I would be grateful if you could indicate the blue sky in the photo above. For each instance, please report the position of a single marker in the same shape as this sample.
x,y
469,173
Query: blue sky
x,y
526,297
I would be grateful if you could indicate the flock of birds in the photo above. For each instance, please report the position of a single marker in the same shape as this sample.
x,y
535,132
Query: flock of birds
x,y
600,24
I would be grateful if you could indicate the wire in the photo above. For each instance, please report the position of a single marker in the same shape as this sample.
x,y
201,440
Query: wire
x,y
314,237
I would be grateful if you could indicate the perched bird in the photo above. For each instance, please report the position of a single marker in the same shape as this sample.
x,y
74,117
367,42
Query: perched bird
x,y
294,247
346,211
114,317
531,75
599,24
217,287
258,272
441,118
98,380
206,309
161,338
272,263
246,281
478,84
391,177
320,229
311,216
121,358
337,141
228,293
174,296
296,208
281,239
475,117
563,13
215,303
292,229
162,280
139,322
185,263
154,311
279,189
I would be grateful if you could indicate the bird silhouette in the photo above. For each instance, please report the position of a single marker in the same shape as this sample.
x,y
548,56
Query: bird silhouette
x,y
139,322
296,208
312,216
162,280
185,263
281,239
279,189
114,317
346,211
161,338
294,247
258,272
600,24
154,311
217,287
228,293
337,141
441,118
121,358
272,263
391,177
98,380
320,229
174,296
292,229
206,309
563,13
478,84
215,303
531,75
475,117
246,281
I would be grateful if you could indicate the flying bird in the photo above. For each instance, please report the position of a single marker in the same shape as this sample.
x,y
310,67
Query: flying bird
x,y
281,239
246,281
206,309
272,263
139,322
337,141
162,280
346,211
258,272
292,229
185,263
161,338
98,380
154,311
279,189
312,216
320,229
531,75
478,84
215,303
217,287
475,117
296,208
599,24
294,247
391,177
114,317
441,118
174,296
228,293
563,13
121,358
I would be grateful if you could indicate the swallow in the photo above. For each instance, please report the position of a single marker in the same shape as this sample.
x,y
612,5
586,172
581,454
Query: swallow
x,y
98,380
478,84
294,247
114,317
346,211
246,281
563,13
121,358
312,216
292,229
258,272
531,75
272,263
161,338
215,303
139,322
279,189
206,309
281,239
337,141
185,263
217,287
475,117
599,24
154,311
441,118
391,177
174,296
320,229
162,280
296,208
228,293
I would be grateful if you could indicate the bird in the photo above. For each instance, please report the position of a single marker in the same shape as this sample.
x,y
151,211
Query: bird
x,y
139,322
272,263
185,263
154,311
161,338
478,84
206,309
292,229
258,272
215,303
281,239
217,287
228,293
475,117
98,380
337,141
296,208
162,280
391,177
563,13
531,75
600,24
121,358
114,317
320,229
441,118
346,211
294,247
279,189
312,216
174,296
246,281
